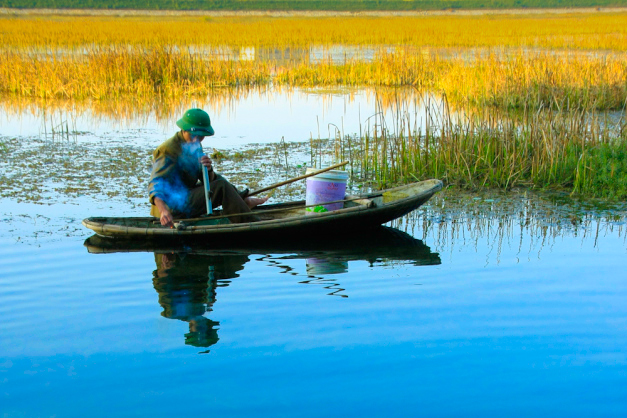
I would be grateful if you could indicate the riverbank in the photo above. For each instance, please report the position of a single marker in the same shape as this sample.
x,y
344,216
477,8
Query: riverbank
x,y
321,13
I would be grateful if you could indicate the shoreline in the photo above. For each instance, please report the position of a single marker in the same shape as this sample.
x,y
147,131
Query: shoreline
x,y
152,13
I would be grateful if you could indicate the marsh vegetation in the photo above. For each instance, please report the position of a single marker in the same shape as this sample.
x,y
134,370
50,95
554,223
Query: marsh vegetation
x,y
520,100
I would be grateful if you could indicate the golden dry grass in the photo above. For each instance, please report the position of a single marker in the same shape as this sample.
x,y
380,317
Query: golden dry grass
x,y
524,80
507,60
511,60
607,31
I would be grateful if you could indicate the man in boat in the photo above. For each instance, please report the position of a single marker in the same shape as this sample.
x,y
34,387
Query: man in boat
x,y
175,187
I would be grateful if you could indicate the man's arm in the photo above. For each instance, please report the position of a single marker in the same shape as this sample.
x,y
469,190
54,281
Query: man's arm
x,y
162,167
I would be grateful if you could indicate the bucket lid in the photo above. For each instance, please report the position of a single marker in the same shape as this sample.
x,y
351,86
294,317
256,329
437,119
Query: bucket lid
x,y
331,174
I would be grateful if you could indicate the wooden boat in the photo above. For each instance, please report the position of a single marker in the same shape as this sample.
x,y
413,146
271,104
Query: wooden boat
x,y
278,220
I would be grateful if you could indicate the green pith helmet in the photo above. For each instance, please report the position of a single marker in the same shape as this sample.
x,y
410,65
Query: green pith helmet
x,y
197,122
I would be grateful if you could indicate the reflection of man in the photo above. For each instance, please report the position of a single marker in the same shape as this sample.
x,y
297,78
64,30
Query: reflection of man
x,y
201,332
186,284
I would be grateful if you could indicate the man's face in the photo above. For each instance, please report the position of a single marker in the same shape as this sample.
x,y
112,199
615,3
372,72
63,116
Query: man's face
x,y
190,138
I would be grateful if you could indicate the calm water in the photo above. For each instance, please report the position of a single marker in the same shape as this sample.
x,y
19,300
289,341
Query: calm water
x,y
240,117
482,305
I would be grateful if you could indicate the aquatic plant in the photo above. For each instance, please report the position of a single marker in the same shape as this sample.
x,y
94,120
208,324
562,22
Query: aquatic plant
x,y
528,110
582,152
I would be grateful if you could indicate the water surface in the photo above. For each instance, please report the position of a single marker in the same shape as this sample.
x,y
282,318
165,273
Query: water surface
x,y
239,116
483,304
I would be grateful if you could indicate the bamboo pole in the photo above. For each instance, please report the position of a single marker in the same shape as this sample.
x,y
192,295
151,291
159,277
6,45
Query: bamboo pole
x,y
274,186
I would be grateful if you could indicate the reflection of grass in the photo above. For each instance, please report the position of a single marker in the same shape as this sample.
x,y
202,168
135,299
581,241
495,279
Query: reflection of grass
x,y
524,222
124,110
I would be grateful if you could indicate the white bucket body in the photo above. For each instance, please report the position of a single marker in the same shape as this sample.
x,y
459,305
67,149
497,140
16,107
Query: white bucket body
x,y
326,187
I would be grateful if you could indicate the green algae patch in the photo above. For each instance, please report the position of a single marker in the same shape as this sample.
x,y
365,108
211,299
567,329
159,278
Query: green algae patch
x,y
45,171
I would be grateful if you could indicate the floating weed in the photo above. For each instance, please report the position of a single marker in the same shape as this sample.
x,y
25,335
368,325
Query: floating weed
x,y
42,171
68,170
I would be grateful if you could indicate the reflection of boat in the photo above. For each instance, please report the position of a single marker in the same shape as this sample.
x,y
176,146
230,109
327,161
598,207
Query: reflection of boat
x,y
280,220
373,245
188,275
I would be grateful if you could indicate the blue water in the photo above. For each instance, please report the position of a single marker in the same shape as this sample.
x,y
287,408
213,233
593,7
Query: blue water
x,y
485,305
477,317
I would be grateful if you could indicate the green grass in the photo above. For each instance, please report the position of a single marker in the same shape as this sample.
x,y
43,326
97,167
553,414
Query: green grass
x,y
296,5
491,149
602,170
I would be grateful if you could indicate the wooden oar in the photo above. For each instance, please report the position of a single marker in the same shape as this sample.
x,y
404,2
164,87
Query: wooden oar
x,y
274,186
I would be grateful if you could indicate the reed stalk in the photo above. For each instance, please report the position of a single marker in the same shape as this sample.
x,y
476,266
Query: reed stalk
x,y
525,81
582,152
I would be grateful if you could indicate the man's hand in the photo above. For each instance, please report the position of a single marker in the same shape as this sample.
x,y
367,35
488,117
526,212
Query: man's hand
x,y
206,161
166,216
167,219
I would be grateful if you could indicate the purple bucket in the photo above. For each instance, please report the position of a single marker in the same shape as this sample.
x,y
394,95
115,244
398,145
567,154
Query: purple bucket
x,y
326,187
319,266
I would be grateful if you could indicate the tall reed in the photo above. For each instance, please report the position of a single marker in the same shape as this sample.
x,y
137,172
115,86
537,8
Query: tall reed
x,y
520,81
114,72
582,151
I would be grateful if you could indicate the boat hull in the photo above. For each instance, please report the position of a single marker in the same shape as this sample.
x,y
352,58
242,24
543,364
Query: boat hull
x,y
381,207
